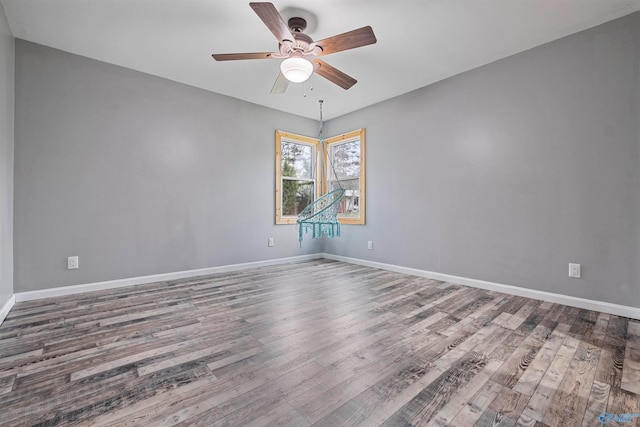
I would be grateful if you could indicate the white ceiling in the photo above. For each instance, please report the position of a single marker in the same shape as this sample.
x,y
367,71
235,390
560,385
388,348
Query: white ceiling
x,y
419,41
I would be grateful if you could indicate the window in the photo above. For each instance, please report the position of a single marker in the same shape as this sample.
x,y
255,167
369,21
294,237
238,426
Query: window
x,y
296,175
346,154
299,179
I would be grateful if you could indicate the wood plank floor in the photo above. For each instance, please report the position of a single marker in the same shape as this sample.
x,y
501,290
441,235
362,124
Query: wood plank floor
x,y
320,343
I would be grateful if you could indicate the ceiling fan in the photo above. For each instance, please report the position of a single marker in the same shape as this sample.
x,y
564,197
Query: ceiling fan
x,y
299,52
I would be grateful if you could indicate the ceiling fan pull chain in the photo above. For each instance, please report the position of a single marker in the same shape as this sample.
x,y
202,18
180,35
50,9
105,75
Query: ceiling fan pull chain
x,y
310,86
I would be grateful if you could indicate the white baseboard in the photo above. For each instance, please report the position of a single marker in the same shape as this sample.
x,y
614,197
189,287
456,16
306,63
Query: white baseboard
x,y
6,308
113,284
605,307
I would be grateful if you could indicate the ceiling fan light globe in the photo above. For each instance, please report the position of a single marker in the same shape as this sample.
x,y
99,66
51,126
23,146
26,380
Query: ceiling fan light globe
x,y
296,70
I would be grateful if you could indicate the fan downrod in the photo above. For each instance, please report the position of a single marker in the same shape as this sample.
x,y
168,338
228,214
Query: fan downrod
x,y
297,25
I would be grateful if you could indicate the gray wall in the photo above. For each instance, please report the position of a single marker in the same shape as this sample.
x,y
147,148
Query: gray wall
x,y
509,172
7,55
505,173
138,175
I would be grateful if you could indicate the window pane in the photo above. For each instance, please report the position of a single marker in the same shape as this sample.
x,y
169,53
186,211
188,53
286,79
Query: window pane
x,y
296,195
346,159
297,160
350,205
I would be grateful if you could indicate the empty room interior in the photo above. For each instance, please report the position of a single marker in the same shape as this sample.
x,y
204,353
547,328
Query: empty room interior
x,y
411,213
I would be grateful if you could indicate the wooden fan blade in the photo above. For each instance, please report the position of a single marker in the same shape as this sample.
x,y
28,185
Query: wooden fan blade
x,y
361,37
272,19
333,74
236,56
280,85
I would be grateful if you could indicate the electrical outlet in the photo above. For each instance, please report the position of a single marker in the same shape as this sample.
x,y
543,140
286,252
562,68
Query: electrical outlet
x,y
370,245
72,263
575,270
271,242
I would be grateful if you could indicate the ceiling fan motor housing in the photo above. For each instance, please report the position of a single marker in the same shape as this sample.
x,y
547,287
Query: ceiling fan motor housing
x,y
302,42
301,45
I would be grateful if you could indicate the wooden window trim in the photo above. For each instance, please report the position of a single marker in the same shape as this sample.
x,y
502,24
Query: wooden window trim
x,y
321,184
280,219
360,133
